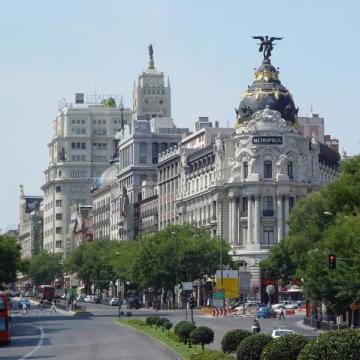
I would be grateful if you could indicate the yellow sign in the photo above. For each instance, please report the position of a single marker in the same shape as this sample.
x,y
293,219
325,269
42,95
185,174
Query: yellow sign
x,y
230,283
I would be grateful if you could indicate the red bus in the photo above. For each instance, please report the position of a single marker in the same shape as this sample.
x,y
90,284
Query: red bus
x,y
5,319
46,292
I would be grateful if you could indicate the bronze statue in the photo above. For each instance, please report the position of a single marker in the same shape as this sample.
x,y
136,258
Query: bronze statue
x,y
266,45
151,52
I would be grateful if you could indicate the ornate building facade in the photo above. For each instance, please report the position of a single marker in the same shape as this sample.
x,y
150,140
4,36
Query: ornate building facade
x,y
243,188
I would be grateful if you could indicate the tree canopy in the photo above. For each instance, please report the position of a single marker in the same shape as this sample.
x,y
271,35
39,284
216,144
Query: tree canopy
x,y
44,268
9,259
324,222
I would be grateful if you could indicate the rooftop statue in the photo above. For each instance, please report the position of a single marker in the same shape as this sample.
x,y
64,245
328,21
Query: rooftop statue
x,y
266,45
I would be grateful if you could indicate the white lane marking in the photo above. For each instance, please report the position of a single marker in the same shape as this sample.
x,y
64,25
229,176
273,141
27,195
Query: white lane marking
x,y
37,347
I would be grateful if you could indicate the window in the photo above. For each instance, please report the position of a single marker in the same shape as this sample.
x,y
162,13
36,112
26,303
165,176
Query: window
x,y
78,173
58,189
267,169
244,204
268,208
246,169
59,216
58,230
99,159
291,202
143,153
58,244
58,203
290,170
268,238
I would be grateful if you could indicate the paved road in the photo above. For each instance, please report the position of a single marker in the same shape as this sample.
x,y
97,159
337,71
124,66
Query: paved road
x,y
43,335
220,325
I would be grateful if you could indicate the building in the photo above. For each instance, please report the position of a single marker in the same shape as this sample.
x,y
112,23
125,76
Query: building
x,y
148,207
79,152
81,227
243,187
151,131
310,125
30,231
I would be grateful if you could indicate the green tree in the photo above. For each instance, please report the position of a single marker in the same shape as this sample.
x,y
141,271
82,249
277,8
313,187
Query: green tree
x,y
45,267
9,259
110,102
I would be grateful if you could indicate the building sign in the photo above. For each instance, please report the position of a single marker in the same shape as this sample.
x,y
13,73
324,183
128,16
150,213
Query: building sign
x,y
267,140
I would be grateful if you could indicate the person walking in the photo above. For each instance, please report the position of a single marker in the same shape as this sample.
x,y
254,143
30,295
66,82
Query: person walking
x,y
53,307
41,304
282,314
25,309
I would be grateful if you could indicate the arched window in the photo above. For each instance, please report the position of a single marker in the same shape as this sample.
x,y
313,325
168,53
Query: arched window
x,y
290,170
267,169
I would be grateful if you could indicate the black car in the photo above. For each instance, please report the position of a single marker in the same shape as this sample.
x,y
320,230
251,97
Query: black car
x,y
134,303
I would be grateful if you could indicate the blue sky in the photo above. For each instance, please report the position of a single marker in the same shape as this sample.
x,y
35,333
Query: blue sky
x,y
51,49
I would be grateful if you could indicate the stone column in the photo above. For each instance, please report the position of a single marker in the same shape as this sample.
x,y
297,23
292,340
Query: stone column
x,y
250,220
257,225
233,220
286,217
279,218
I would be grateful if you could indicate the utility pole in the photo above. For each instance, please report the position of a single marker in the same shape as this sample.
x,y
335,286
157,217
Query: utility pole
x,y
222,250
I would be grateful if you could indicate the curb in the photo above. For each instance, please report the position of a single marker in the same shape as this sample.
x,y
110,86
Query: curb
x,y
60,311
306,327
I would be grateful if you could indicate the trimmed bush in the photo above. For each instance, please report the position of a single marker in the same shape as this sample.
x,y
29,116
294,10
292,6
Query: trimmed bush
x,y
179,324
210,355
168,325
333,345
184,332
160,322
232,339
202,335
286,347
251,347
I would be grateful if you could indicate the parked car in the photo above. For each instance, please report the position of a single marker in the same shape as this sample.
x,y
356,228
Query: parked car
x,y
266,312
96,299
114,301
281,331
134,303
23,301
88,298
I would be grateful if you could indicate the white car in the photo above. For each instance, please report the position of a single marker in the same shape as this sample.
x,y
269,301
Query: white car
x,y
281,331
114,302
251,306
88,298
286,304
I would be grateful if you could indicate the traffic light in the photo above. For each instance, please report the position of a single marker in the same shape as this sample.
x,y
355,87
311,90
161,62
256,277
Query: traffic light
x,y
192,302
332,262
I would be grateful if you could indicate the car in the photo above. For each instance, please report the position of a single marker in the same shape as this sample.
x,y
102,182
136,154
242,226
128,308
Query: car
x,y
266,312
134,303
23,301
96,299
251,306
88,298
281,331
63,297
114,301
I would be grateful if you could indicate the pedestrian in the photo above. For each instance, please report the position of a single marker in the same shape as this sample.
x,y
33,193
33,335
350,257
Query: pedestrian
x,y
25,310
41,305
282,314
53,307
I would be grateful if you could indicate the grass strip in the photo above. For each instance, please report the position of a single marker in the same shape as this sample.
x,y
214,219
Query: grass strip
x,y
156,334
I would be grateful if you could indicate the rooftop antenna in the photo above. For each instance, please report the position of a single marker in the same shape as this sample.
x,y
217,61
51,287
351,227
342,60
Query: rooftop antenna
x,y
311,110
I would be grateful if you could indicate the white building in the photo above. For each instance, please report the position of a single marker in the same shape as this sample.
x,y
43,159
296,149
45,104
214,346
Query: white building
x,y
243,188
79,152
31,224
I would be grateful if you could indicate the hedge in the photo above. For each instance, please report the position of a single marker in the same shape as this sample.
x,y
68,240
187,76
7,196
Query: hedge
x,y
210,355
251,347
184,332
333,345
232,339
286,347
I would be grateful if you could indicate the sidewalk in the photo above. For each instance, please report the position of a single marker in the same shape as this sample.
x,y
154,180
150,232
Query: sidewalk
x,y
301,325
60,311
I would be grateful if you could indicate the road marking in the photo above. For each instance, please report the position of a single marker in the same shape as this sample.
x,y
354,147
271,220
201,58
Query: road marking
x,y
37,347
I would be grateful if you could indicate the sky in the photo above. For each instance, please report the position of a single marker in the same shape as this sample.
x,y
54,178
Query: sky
x,y
52,49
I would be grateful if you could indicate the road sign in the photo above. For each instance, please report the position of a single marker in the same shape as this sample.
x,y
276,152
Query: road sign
x,y
219,295
187,285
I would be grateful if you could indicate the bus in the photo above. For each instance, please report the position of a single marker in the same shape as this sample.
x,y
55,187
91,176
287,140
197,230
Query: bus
x,y
5,319
46,292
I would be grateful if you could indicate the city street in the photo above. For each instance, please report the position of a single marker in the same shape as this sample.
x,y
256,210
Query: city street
x,y
42,334
45,335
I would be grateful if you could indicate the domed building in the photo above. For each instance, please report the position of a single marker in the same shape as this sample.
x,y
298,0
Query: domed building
x,y
242,189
